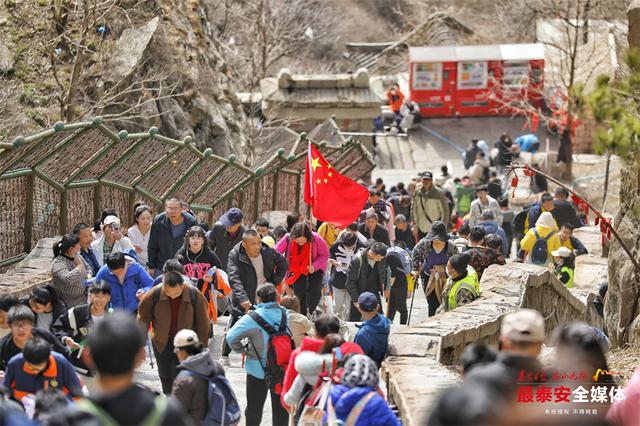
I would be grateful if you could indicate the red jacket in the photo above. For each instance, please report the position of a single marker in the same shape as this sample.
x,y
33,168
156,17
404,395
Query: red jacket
x,y
311,344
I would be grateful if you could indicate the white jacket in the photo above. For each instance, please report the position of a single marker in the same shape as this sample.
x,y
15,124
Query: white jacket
x,y
122,245
309,365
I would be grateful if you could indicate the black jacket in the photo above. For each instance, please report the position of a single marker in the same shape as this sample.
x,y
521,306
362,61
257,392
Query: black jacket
x,y
380,234
359,278
162,246
197,266
221,244
8,349
242,276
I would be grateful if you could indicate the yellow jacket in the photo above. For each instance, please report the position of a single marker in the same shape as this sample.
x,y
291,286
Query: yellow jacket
x,y
529,240
329,233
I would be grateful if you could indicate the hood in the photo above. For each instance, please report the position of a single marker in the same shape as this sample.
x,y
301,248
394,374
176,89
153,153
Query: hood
x,y
489,226
311,344
202,363
546,219
377,325
311,364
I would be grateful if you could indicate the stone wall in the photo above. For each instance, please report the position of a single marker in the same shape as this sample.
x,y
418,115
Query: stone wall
x,y
422,356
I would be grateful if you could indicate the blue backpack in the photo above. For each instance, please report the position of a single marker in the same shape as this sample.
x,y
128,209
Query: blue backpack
x,y
540,252
405,257
223,408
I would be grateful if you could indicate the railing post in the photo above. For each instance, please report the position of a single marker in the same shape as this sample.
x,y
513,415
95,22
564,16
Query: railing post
x,y
64,211
28,217
256,199
274,193
97,204
298,188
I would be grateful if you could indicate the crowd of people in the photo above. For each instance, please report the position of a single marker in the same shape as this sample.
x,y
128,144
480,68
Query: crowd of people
x,y
155,289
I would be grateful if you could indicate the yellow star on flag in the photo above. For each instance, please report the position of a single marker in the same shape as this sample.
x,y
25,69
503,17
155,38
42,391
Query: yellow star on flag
x,y
325,180
330,174
315,163
318,181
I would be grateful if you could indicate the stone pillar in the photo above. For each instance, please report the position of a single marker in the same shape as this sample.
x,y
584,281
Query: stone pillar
x,y
633,16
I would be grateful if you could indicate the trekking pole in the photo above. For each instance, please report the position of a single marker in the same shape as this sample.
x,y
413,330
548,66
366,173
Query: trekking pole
x,y
150,352
413,296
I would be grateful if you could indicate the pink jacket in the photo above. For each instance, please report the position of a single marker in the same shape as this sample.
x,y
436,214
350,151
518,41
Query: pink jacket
x,y
319,251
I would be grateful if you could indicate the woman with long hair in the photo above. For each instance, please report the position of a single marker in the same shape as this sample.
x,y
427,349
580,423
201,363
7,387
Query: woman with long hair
x,y
307,255
140,232
203,266
69,271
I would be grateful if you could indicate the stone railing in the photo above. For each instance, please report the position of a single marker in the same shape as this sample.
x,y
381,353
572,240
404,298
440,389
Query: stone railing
x,y
32,271
421,356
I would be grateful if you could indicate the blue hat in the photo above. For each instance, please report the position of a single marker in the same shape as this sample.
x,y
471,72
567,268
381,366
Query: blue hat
x,y
233,216
368,301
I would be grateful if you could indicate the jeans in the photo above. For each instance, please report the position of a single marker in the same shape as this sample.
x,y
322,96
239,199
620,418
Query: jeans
x,y
308,289
342,303
167,362
398,302
256,395
233,319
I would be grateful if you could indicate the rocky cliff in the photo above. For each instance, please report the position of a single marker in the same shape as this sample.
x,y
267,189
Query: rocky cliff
x,y
138,64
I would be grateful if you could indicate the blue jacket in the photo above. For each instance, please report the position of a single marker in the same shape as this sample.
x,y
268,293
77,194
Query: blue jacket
x,y
59,374
246,327
491,227
373,337
90,257
124,296
375,413
526,142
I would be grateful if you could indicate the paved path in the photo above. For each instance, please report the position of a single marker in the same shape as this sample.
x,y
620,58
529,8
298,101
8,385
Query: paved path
x,y
149,377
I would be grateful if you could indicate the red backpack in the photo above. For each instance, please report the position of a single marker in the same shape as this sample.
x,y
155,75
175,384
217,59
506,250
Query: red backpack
x,y
279,348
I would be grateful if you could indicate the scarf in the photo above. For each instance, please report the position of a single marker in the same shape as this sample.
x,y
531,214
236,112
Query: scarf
x,y
299,261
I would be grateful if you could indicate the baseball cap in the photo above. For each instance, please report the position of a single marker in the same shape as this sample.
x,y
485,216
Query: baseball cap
x,y
233,216
110,220
525,325
561,252
368,302
184,338
426,175
487,214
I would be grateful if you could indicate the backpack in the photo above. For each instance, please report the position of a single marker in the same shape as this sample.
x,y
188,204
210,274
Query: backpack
x,y
405,257
540,252
519,220
464,204
155,416
279,348
223,407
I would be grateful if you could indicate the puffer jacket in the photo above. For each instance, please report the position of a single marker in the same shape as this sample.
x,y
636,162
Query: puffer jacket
x,y
376,412
428,207
373,337
192,391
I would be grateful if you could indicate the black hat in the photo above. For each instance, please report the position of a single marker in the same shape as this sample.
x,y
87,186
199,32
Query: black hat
x,y
426,175
438,231
459,262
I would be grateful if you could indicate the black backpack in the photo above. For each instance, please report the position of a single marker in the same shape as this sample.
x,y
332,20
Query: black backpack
x,y
279,348
520,219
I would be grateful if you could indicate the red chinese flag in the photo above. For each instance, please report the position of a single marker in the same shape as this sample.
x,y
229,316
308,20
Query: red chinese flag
x,y
334,198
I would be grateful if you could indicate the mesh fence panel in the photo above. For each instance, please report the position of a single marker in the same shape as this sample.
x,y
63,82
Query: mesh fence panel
x,y
117,199
79,206
46,211
13,203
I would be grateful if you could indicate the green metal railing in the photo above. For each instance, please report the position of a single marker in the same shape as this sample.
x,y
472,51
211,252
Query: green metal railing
x,y
92,145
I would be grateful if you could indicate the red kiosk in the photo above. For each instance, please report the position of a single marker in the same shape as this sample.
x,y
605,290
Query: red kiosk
x,y
450,81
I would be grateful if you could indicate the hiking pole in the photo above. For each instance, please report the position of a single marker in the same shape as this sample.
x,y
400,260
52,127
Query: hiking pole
x,y
150,352
413,296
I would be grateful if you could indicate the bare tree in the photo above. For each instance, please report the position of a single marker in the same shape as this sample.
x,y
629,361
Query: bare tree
x,y
72,45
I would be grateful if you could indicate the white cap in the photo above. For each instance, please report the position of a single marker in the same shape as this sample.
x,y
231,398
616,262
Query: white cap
x,y
525,325
110,220
184,338
561,252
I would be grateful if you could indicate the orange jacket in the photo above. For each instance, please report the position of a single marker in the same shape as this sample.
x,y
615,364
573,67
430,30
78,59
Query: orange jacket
x,y
395,101
223,288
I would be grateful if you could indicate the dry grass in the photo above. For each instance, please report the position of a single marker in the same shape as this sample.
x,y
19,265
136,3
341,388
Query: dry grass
x,y
624,360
